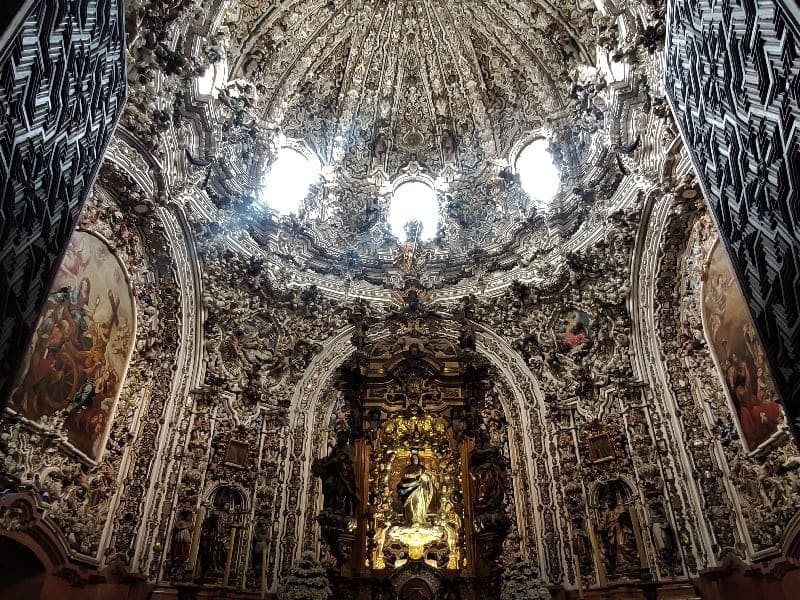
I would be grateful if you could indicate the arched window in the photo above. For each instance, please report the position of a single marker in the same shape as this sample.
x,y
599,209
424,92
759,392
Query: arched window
x,y
414,211
538,175
288,180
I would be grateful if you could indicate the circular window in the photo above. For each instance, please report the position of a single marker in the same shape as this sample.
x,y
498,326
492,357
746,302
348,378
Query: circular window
x,y
537,173
414,211
287,183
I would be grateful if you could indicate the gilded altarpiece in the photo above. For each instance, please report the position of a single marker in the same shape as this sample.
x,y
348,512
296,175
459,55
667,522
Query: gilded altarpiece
x,y
416,480
415,486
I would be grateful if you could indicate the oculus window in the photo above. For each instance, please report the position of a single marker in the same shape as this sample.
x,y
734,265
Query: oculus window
x,y
538,175
288,181
414,211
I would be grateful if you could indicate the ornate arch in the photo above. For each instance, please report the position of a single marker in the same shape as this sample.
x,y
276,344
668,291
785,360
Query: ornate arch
x,y
310,406
171,332
713,502
23,521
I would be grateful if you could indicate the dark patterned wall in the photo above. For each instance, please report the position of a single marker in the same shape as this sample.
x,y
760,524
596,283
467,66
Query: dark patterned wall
x,y
733,77
9,13
62,88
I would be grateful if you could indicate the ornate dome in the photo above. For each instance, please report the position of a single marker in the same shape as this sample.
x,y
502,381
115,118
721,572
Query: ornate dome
x,y
445,93
316,303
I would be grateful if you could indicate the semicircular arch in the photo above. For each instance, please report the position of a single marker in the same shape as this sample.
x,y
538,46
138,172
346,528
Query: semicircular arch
x,y
524,408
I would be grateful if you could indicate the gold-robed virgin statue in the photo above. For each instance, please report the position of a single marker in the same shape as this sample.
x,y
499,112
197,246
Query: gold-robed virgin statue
x,y
415,490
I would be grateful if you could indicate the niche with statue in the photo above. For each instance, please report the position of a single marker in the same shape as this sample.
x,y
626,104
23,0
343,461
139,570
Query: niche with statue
x,y
220,538
415,486
619,536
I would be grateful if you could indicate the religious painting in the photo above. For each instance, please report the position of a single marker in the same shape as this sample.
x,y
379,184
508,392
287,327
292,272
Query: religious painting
x,y
573,330
73,370
600,448
236,454
740,355
600,442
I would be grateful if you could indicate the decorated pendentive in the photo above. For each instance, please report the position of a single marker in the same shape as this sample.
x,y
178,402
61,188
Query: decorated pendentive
x,y
573,331
245,353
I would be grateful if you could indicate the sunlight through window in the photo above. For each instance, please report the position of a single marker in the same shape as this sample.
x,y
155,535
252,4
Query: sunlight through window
x,y
288,181
538,176
414,201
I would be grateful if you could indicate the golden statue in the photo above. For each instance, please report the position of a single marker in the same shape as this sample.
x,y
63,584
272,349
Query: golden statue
x,y
415,490
408,261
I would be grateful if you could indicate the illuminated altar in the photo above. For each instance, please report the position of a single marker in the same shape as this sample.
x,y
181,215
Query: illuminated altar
x,y
438,542
416,482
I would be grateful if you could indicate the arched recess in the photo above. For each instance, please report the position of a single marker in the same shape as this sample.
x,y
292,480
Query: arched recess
x,y
617,521
662,224
717,493
22,574
532,478
224,506
22,521
103,501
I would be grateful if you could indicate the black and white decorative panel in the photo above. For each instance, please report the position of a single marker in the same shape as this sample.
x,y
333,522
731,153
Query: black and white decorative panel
x,y
62,89
733,77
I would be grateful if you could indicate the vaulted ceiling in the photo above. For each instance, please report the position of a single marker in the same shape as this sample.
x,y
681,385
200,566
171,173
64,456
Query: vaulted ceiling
x,y
377,93
342,74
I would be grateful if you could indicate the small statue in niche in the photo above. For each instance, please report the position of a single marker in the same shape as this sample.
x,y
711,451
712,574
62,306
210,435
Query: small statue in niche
x,y
415,491
213,547
663,540
485,468
182,536
379,148
408,261
360,328
581,546
458,423
259,547
618,539
338,475
372,424
466,337
448,144
216,534
488,475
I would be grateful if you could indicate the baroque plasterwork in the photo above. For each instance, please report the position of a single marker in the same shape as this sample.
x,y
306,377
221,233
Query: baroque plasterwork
x,y
68,487
693,421
253,313
353,82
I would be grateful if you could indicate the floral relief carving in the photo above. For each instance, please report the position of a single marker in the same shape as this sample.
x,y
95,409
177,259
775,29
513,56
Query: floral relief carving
x,y
624,456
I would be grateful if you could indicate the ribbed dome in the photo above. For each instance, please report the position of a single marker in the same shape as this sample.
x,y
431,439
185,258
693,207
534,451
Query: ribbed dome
x,y
444,93
408,76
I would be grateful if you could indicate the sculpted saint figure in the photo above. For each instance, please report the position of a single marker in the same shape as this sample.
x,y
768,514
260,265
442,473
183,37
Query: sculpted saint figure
x,y
415,490
338,478
619,542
